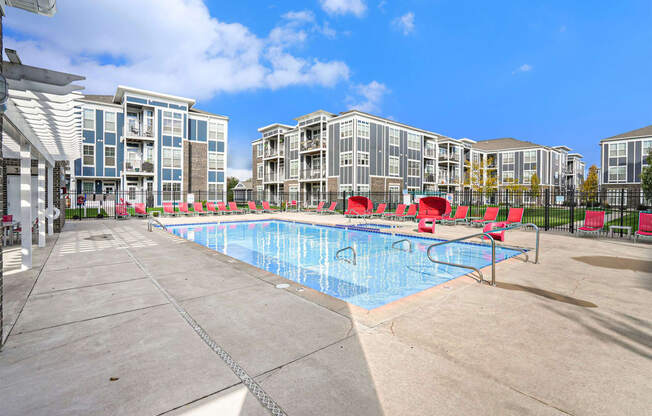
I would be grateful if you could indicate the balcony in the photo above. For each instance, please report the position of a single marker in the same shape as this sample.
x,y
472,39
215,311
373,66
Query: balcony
x,y
430,153
139,167
312,174
274,177
273,152
449,157
312,144
429,177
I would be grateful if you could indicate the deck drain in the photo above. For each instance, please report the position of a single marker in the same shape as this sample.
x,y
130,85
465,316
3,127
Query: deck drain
x,y
282,286
100,237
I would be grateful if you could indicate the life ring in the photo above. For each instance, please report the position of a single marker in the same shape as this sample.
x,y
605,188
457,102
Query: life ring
x,y
57,213
81,199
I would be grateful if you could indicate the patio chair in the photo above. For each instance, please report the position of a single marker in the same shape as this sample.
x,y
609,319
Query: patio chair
x,y
168,209
121,211
267,208
210,208
183,208
644,226
140,210
358,207
593,223
233,208
490,215
400,210
460,216
424,227
253,208
497,236
319,208
330,210
292,204
380,210
434,207
222,209
199,208
514,216
410,214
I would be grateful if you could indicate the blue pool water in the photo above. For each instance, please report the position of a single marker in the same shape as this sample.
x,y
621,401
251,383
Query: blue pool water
x,y
306,254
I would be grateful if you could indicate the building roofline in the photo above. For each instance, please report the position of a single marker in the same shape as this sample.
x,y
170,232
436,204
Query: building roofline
x,y
206,113
270,126
314,113
120,92
633,134
386,120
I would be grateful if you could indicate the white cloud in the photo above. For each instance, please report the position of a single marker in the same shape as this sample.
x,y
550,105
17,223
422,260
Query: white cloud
x,y
405,23
147,45
522,68
355,7
242,174
369,97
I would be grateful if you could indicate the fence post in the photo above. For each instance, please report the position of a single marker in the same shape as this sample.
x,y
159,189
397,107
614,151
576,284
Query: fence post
x,y
622,209
546,211
572,210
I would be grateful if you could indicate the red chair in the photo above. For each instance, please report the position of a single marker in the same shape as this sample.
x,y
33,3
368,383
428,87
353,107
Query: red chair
x,y
233,208
424,227
210,207
319,208
121,211
267,208
253,208
168,209
499,235
359,206
434,207
644,226
140,210
7,218
380,210
292,204
515,216
410,214
593,223
490,215
183,208
400,210
331,209
460,216
199,208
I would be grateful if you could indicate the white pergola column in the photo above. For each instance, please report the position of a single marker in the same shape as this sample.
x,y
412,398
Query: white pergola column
x,y
26,204
50,209
41,203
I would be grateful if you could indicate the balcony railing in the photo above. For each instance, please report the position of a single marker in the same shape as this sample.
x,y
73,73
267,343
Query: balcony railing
x,y
430,153
449,156
274,152
312,144
137,166
313,174
274,177
429,177
138,130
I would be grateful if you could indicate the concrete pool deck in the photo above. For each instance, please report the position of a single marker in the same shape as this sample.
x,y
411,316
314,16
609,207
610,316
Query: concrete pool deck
x,y
92,333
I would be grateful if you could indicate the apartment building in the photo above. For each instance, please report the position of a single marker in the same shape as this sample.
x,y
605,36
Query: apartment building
x,y
623,157
358,152
153,146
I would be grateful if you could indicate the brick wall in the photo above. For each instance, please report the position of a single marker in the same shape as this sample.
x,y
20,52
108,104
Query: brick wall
x,y
195,168
58,174
331,185
254,167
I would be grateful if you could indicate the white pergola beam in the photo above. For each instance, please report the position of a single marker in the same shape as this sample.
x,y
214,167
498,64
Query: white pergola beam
x,y
41,203
26,204
50,210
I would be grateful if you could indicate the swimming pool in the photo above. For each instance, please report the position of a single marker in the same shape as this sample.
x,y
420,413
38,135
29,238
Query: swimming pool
x,y
305,254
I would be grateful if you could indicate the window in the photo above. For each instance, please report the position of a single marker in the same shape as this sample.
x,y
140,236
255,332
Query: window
x,y
215,130
89,119
259,170
617,174
220,161
171,191
363,159
363,129
414,141
88,187
109,156
167,123
89,155
527,175
177,122
508,175
171,158
414,168
346,159
530,156
259,149
294,192
346,188
394,137
393,166
212,191
212,161
618,150
394,189
294,142
645,149
109,122
346,129
294,169
363,188
508,158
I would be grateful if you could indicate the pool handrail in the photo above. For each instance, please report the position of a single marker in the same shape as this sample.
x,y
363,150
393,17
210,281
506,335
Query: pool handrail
x,y
493,249
409,250
355,255
152,219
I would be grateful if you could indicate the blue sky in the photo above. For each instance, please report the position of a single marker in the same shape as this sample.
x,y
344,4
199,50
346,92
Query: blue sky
x,y
553,72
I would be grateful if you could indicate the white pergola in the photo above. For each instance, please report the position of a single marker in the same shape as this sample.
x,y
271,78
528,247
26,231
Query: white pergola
x,y
42,121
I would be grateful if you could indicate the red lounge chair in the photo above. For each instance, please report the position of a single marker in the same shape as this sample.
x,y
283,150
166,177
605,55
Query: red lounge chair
x,y
168,209
121,211
199,208
233,207
410,214
515,216
267,208
331,209
380,210
644,226
593,223
460,216
499,235
140,210
490,215
221,207
253,208
320,207
183,208
292,204
434,207
210,207
400,210
359,206
424,227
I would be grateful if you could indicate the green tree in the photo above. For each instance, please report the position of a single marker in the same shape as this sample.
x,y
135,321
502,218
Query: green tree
x,y
512,185
479,177
590,185
231,182
535,190
646,179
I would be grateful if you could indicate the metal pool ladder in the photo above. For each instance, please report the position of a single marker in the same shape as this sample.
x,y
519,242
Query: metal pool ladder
x,y
409,250
150,220
352,260
493,250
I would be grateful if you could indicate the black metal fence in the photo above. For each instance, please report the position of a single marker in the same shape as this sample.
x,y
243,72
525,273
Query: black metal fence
x,y
548,209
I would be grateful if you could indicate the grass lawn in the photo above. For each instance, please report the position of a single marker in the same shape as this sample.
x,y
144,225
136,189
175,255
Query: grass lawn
x,y
557,216
629,219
